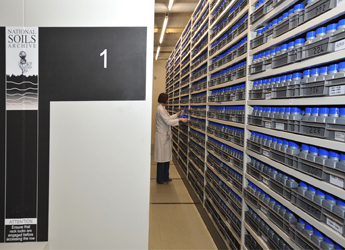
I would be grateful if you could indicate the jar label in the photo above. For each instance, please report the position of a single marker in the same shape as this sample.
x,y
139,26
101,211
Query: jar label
x,y
337,90
336,181
280,126
334,225
340,44
339,136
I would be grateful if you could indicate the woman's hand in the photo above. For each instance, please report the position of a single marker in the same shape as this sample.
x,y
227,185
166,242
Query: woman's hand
x,y
179,113
183,120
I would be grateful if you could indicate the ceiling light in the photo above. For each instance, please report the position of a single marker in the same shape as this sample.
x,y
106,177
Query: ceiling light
x,y
171,2
164,28
159,48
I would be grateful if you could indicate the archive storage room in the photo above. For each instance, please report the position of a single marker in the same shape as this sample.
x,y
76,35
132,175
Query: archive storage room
x,y
249,94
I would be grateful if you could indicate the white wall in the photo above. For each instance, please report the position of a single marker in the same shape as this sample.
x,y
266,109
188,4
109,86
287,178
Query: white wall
x,y
99,164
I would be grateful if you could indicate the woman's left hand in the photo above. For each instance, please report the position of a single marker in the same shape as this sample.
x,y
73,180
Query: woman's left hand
x,y
179,113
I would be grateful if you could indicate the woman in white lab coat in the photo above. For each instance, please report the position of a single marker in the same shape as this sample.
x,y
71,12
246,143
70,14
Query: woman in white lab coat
x,y
163,150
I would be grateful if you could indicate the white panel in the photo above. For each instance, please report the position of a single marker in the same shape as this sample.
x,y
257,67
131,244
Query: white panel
x,y
99,151
11,13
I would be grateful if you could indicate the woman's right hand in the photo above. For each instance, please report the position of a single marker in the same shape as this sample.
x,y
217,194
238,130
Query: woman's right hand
x,y
183,120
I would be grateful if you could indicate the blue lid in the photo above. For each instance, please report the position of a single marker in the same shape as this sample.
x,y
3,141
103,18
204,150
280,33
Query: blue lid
x,y
308,110
274,139
285,142
260,108
283,78
277,49
293,145
306,72
288,211
342,157
291,44
342,111
287,109
313,149
282,109
291,11
333,154
278,79
277,109
317,233
301,221
268,109
311,34
319,192
297,75
310,188
268,81
299,7
329,197
275,21
323,152
324,111
273,51
315,110
323,70
302,184
341,22
258,32
269,138
289,77
264,137
314,71
280,18
299,41
321,30
273,109
280,141
340,203
337,247
285,15
333,68
328,240
309,227
267,53
305,147
341,65
332,27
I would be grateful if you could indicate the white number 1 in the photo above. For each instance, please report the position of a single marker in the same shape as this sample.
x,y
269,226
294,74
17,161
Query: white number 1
x,y
104,53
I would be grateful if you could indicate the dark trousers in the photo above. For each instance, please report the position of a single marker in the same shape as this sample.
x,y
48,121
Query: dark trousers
x,y
162,172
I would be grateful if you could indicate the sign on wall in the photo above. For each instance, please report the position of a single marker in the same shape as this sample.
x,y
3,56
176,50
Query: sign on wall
x,y
40,65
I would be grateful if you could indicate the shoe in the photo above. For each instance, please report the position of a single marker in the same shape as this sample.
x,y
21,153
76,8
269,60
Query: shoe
x,y
170,179
163,183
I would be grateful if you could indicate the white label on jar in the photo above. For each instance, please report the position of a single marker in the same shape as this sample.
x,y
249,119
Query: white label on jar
x,y
339,2
334,225
265,181
268,125
336,181
268,96
337,90
268,66
266,153
340,44
280,126
263,210
340,136
269,38
264,238
270,7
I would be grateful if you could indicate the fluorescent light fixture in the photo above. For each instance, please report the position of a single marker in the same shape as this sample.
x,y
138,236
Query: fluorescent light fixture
x,y
158,50
164,28
171,2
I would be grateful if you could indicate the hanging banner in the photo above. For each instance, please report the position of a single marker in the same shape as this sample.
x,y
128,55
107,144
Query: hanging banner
x,y
21,133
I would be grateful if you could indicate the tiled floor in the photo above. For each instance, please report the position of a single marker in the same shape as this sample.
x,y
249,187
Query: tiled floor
x,y
175,222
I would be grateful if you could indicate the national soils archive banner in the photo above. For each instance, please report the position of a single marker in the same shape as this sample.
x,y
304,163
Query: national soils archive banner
x,y
40,65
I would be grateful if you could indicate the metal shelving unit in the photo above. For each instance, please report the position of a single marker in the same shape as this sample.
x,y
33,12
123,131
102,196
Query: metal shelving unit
x,y
173,84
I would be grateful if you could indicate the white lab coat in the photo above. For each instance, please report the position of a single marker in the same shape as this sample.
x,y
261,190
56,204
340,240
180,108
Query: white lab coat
x,y
163,136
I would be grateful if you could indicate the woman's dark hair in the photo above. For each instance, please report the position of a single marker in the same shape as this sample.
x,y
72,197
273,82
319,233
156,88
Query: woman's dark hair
x,y
163,98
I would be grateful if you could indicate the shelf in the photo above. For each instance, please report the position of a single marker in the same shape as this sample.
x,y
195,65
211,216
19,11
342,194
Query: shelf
x,y
229,103
203,146
191,173
200,39
183,133
274,12
215,6
198,91
300,138
324,59
199,104
199,78
226,10
329,188
311,24
327,100
186,84
200,26
236,60
240,171
199,53
258,239
229,45
277,230
229,185
224,220
183,67
234,124
322,227
227,84
196,166
184,95
199,66
230,144
239,15
199,130
199,15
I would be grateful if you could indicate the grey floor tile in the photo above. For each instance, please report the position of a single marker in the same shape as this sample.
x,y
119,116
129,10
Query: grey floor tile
x,y
172,172
174,192
178,226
